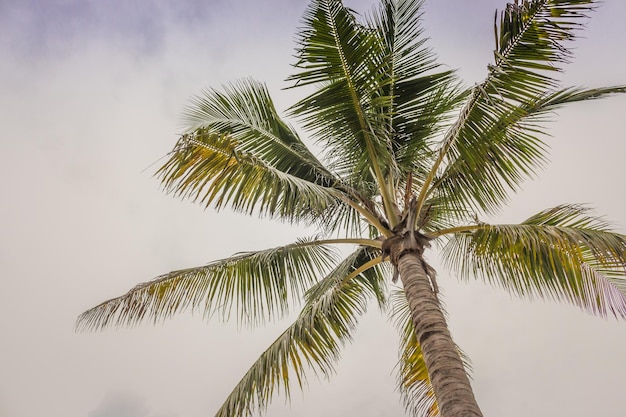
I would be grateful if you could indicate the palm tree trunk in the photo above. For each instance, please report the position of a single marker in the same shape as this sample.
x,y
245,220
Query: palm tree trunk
x,y
451,385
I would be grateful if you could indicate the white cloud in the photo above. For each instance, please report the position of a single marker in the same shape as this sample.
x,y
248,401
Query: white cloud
x,y
80,222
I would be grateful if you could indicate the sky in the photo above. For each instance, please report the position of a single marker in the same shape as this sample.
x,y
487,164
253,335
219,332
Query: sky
x,y
91,97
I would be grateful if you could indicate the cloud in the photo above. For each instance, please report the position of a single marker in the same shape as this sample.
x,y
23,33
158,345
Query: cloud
x,y
124,404
50,28
89,102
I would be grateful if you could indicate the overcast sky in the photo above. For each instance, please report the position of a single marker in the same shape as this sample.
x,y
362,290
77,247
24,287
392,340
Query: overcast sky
x,y
90,97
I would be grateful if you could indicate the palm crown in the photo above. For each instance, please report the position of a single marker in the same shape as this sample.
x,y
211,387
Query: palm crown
x,y
411,159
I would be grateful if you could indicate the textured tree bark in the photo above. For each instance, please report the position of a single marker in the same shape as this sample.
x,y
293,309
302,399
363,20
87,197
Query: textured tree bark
x,y
451,385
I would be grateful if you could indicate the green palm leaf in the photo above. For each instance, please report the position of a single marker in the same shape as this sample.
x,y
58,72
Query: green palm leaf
x,y
245,111
240,153
210,168
569,95
490,149
346,112
419,99
314,340
258,286
483,176
563,253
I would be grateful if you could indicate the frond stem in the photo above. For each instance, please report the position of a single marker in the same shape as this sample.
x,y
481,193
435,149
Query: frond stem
x,y
388,200
452,230
367,265
369,216
363,242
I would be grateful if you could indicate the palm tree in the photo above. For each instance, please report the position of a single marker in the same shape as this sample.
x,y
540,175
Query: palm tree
x,y
411,160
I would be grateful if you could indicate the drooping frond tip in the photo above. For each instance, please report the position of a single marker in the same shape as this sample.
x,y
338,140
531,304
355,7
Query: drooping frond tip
x,y
563,253
314,341
548,22
255,286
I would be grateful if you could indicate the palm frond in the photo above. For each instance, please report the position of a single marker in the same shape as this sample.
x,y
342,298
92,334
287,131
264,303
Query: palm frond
x,y
210,168
313,341
419,123
340,56
245,112
489,150
482,179
564,253
569,95
438,213
239,153
340,218
419,99
257,286
366,263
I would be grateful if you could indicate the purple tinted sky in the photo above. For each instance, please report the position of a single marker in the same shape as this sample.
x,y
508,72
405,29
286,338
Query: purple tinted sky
x,y
91,95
